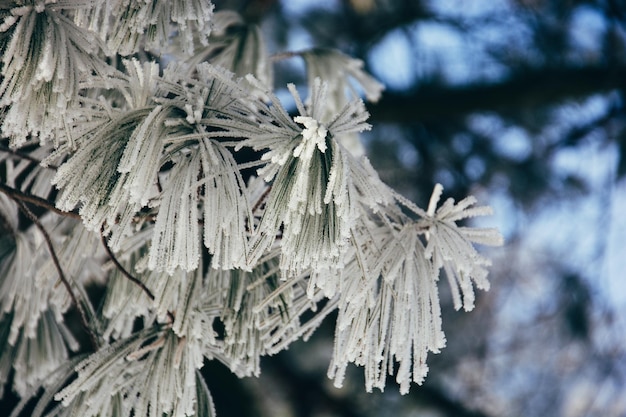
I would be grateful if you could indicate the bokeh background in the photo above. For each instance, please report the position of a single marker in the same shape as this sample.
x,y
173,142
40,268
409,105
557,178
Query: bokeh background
x,y
522,104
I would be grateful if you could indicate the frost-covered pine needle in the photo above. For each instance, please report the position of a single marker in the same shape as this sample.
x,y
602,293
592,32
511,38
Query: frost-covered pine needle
x,y
316,184
42,64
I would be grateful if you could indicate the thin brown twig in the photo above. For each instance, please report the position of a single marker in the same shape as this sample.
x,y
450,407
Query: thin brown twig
x,y
123,270
261,199
127,274
57,264
18,195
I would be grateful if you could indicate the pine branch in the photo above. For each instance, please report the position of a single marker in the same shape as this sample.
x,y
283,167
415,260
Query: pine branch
x,y
315,212
83,316
128,275
123,270
18,195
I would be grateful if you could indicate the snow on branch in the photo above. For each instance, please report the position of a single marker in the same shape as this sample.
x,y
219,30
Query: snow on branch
x,y
42,64
451,247
178,234
391,313
316,183
131,25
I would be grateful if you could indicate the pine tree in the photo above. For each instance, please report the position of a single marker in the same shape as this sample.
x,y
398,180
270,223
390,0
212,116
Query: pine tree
x,y
124,172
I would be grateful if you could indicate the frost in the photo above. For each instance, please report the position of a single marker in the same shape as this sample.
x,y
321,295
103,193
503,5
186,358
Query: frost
x,y
155,202
237,47
175,243
226,209
42,64
346,80
391,314
26,292
129,369
139,23
261,314
91,175
450,247
316,183
340,70
314,135
33,357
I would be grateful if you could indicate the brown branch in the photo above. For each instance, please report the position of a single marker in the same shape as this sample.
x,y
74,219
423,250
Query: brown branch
x,y
18,195
83,316
123,270
533,88
128,275
261,199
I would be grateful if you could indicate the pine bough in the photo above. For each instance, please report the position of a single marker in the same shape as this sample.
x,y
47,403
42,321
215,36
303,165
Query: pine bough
x,y
150,202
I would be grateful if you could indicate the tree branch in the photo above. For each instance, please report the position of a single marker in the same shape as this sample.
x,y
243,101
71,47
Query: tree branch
x,y
533,88
57,264
123,270
128,275
17,195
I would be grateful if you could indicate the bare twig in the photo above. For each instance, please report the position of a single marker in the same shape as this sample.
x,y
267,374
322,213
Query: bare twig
x,y
261,199
128,275
285,55
123,270
57,264
18,195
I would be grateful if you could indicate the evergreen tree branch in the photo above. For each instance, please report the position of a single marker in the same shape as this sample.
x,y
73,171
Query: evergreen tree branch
x,y
123,270
18,195
83,316
128,275
307,209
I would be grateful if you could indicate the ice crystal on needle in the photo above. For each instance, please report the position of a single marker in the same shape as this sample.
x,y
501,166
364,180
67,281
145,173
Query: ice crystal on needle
x,y
238,46
42,64
451,247
340,69
314,135
392,313
129,25
316,184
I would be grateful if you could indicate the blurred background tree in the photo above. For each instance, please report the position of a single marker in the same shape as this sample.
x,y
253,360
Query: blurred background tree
x,y
520,102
